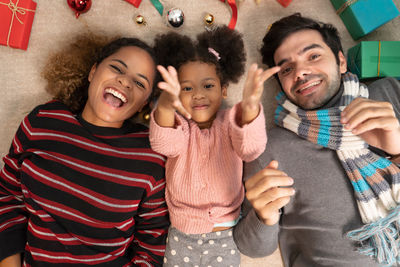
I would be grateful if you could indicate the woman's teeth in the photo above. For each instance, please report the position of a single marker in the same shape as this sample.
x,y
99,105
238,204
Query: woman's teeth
x,y
116,94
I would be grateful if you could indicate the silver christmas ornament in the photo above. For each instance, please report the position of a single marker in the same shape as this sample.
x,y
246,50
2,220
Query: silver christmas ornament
x,y
175,17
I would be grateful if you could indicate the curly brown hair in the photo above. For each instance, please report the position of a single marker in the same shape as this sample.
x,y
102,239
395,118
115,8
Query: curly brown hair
x,y
173,49
67,70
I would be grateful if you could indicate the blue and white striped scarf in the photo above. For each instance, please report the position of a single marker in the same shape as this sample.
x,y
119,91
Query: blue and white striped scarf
x,y
376,180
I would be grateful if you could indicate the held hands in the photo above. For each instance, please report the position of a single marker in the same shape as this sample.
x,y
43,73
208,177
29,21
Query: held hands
x,y
267,192
252,92
169,101
375,122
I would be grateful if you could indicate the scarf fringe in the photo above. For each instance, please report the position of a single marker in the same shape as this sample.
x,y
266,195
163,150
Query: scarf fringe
x,y
380,239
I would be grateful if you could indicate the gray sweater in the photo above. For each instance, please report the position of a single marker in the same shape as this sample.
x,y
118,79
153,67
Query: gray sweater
x,y
312,228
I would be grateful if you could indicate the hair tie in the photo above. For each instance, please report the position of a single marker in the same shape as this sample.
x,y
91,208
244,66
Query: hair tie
x,y
215,53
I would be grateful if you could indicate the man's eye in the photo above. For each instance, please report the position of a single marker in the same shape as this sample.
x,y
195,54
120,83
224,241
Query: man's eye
x,y
314,56
116,68
187,89
209,86
285,71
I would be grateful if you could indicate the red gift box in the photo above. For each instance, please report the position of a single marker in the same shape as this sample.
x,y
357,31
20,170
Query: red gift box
x,y
284,3
16,18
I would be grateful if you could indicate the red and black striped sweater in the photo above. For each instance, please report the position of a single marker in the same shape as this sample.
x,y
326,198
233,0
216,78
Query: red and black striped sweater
x,y
72,193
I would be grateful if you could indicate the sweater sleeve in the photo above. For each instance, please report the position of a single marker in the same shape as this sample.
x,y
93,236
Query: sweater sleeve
x,y
168,141
13,213
250,140
252,237
151,228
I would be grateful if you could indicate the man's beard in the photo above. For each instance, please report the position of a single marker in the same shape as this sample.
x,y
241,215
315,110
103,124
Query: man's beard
x,y
330,91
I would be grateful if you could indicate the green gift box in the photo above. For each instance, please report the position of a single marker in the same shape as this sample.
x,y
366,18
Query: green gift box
x,y
370,59
364,16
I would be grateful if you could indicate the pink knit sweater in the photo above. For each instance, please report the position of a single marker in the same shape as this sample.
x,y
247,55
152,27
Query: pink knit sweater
x,y
204,168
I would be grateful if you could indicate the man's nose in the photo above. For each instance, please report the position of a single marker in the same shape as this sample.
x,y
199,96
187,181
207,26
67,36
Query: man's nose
x,y
301,71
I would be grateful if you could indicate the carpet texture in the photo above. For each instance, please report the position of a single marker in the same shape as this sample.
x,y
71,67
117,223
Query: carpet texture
x,y
22,87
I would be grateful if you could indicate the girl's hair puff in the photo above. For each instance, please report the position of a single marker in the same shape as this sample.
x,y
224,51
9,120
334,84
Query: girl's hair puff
x,y
173,49
67,70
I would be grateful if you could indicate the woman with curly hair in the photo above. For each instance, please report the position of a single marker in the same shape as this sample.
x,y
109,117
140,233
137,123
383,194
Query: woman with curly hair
x,y
204,145
81,185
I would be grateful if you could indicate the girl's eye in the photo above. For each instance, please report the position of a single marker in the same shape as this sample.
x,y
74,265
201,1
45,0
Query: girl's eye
x,y
116,68
186,89
209,86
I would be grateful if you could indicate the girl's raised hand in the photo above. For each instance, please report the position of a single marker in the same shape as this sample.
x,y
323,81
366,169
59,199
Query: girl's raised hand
x,y
169,99
253,89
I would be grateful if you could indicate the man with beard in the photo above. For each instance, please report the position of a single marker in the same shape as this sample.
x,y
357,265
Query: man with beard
x,y
326,189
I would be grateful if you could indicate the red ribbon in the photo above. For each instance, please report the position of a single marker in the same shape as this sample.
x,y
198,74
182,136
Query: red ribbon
x,y
233,6
156,4
136,3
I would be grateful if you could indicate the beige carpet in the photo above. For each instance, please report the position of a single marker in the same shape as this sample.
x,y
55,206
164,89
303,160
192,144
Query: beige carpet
x,y
22,88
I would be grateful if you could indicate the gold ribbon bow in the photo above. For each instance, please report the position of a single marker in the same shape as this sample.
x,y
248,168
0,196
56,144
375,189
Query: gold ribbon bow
x,y
15,9
346,4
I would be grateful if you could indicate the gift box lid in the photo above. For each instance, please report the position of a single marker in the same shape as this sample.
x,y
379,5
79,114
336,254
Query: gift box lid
x,y
363,16
370,59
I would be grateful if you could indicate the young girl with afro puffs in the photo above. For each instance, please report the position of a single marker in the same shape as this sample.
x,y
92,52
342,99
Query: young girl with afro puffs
x,y
204,145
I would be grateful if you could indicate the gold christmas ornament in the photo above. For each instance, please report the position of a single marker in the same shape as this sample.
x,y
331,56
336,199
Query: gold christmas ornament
x,y
208,19
139,19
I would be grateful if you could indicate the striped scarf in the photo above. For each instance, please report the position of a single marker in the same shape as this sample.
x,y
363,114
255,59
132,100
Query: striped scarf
x,y
375,180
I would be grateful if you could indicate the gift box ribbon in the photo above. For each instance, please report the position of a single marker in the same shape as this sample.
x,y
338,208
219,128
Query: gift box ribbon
x,y
233,6
345,5
380,59
156,3
15,10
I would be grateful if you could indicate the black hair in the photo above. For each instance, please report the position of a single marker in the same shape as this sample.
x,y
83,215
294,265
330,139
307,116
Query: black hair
x,y
228,53
284,27
67,70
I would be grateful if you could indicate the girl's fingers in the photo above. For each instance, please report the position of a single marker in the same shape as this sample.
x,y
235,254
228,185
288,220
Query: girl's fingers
x,y
179,108
169,75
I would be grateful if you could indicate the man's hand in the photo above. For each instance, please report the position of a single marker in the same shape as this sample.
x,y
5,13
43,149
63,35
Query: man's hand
x,y
268,191
252,92
375,122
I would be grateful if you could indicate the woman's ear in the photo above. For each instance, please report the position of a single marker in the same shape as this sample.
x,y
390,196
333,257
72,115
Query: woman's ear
x,y
92,71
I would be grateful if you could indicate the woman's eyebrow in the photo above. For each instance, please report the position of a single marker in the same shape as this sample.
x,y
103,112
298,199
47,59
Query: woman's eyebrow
x,y
144,77
121,62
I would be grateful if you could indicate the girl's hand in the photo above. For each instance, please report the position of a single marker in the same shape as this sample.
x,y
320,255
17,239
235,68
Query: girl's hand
x,y
252,92
169,99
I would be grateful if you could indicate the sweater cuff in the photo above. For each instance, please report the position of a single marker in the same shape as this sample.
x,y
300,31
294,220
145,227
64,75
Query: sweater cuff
x,y
161,138
12,243
158,131
256,124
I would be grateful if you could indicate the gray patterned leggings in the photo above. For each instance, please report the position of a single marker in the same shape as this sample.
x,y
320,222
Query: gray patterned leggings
x,y
201,250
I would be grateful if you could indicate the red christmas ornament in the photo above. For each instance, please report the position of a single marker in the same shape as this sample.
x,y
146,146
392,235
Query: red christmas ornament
x,y
79,6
